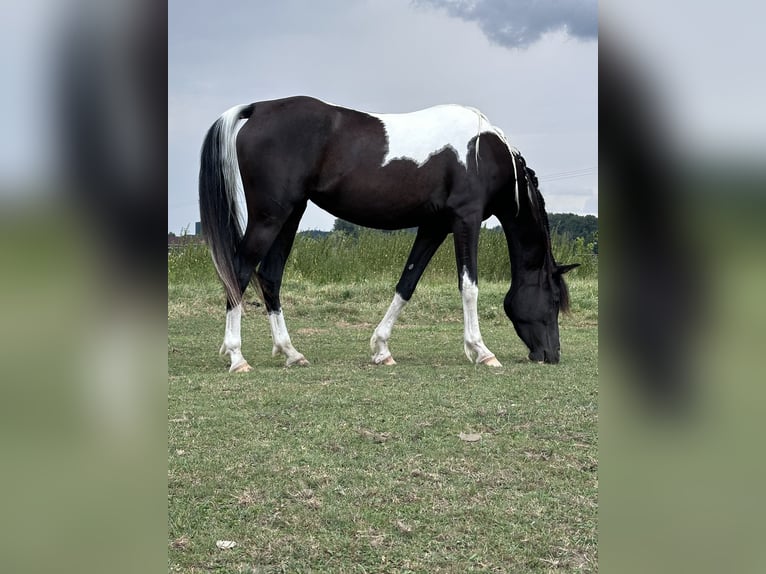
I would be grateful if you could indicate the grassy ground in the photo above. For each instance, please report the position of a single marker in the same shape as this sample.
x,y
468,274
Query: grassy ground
x,y
348,467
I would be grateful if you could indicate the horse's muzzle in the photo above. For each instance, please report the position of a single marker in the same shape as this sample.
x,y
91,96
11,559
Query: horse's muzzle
x,y
542,356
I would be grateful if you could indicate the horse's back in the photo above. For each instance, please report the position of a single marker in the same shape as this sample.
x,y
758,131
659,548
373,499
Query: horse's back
x,y
302,124
286,122
283,140
378,170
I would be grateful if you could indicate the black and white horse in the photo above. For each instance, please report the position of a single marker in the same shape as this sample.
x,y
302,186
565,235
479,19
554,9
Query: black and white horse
x,y
443,170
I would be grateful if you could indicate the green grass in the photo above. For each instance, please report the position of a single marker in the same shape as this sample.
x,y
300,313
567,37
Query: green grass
x,y
348,467
374,255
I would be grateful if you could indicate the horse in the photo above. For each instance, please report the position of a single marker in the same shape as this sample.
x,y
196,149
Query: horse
x,y
444,169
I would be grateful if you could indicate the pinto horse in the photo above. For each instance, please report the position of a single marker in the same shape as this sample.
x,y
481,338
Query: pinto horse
x,y
443,170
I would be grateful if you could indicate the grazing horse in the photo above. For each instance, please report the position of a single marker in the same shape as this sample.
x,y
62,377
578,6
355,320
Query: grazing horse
x,y
443,170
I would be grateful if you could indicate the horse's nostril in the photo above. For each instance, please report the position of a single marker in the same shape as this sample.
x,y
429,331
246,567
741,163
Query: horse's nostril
x,y
552,358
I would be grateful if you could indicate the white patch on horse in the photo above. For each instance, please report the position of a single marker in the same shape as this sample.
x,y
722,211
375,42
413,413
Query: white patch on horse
x,y
281,339
232,339
419,135
379,340
473,344
231,165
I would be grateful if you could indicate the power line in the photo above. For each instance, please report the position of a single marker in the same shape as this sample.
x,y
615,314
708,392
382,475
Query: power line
x,y
595,167
569,174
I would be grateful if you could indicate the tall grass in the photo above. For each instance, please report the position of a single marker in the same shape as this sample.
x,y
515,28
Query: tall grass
x,y
373,255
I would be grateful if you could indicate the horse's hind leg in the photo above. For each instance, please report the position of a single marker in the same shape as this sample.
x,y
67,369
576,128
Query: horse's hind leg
x,y
269,276
257,243
232,339
426,243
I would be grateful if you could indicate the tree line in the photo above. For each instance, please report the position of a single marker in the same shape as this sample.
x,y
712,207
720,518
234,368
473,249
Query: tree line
x,y
567,225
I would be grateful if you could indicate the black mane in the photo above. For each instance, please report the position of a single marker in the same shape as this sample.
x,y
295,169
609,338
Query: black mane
x,y
543,214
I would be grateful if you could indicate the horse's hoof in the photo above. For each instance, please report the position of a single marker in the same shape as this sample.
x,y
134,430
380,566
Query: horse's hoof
x,y
242,367
491,361
389,360
299,362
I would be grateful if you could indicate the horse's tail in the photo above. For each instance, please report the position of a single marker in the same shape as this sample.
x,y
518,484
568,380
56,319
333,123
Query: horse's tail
x,y
219,181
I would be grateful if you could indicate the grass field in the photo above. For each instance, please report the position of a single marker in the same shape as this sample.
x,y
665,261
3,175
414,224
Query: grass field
x,y
348,467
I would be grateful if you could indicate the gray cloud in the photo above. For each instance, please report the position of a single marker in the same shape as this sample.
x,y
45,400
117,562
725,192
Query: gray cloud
x,y
517,24
276,49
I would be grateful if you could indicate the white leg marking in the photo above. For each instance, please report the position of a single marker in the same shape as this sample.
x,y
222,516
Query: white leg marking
x,y
232,341
281,338
379,340
474,346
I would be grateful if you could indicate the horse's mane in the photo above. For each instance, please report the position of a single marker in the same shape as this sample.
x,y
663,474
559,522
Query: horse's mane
x,y
542,214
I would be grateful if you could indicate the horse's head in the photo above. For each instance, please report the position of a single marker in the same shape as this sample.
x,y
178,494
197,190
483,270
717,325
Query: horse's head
x,y
533,308
538,291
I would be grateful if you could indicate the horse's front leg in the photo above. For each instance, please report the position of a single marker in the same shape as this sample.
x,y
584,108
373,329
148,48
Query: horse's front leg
x,y
379,340
426,243
466,252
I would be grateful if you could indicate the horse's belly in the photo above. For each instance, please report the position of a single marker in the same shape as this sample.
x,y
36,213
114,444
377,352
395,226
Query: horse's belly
x,y
398,195
381,208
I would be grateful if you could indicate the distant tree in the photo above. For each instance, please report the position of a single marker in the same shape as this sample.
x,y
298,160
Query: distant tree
x,y
353,230
346,227
314,233
574,226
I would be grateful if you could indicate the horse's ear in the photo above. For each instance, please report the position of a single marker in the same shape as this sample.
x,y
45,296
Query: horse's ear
x,y
561,269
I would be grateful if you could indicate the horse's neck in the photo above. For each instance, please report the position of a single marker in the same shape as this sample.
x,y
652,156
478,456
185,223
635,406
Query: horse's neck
x,y
528,248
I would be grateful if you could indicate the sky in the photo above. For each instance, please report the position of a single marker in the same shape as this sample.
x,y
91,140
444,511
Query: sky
x,y
531,67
